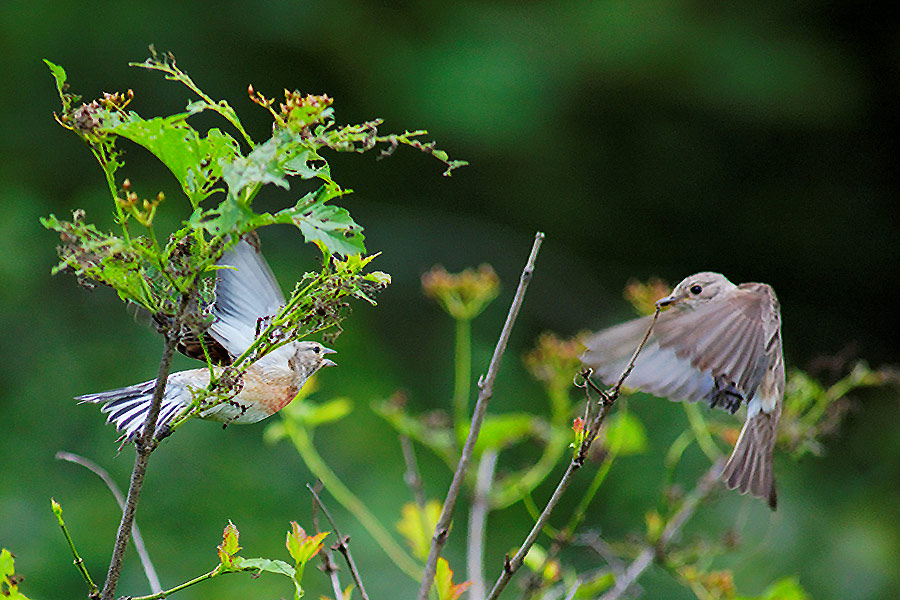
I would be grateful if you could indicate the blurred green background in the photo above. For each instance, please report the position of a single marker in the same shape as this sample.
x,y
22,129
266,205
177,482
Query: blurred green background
x,y
644,138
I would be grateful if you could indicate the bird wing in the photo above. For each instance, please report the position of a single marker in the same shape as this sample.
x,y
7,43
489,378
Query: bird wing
x,y
734,337
246,292
657,370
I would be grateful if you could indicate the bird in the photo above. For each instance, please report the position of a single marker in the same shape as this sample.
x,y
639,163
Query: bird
x,y
717,342
246,296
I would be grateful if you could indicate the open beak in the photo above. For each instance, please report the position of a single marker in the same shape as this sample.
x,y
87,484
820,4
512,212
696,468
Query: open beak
x,y
663,302
327,362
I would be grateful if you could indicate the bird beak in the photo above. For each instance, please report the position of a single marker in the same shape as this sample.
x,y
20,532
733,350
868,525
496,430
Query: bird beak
x,y
663,302
327,362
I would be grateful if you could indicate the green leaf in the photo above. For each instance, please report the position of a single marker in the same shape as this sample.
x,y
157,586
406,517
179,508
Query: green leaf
x,y
314,415
9,581
416,525
229,547
787,588
303,547
300,165
196,161
500,431
331,225
231,216
594,587
443,581
59,74
279,567
625,434
260,167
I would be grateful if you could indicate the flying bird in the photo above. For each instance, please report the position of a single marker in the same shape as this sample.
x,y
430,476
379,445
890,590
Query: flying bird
x,y
717,342
246,294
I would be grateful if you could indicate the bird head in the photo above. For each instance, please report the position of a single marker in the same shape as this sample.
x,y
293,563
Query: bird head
x,y
309,357
696,289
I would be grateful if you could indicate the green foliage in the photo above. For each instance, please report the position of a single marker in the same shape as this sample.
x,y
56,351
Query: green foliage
x,y
9,580
626,433
417,524
499,431
539,562
813,411
164,278
302,549
443,582
162,272
196,161
787,588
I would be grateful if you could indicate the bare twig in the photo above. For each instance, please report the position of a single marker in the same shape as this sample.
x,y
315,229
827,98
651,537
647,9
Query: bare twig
x,y
341,545
477,523
486,387
512,565
327,566
673,527
145,444
634,356
136,537
592,428
412,477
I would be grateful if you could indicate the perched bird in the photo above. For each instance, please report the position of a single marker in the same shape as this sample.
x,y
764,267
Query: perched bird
x,y
717,342
246,294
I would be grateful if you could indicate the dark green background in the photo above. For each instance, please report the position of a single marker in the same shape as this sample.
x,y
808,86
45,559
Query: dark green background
x,y
645,138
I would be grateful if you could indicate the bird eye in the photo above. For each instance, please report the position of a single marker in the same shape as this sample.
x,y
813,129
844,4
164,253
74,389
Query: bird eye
x,y
316,349
696,289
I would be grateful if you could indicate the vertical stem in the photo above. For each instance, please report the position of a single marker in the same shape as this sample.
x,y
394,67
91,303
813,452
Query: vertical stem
x,y
463,375
144,446
478,523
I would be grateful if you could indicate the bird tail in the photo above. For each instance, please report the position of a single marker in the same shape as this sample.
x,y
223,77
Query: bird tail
x,y
749,469
128,407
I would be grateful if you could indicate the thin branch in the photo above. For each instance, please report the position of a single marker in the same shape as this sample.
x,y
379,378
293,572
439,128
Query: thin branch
x,y
486,387
634,356
478,522
327,566
592,428
341,545
512,565
76,558
412,476
673,527
145,444
166,593
136,537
